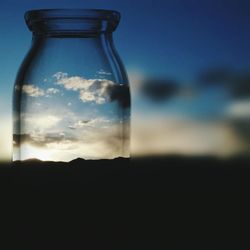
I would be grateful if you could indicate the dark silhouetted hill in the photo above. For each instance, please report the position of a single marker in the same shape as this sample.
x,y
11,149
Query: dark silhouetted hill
x,y
154,202
138,174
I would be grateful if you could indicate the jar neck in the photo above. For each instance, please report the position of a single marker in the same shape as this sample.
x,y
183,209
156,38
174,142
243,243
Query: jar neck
x,y
72,45
85,41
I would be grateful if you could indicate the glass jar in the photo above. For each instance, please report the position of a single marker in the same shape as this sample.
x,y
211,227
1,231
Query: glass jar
x,y
71,95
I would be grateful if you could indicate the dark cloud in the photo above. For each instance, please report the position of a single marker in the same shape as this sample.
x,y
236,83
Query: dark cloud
x,y
238,83
242,129
216,76
18,139
120,94
159,89
241,87
41,141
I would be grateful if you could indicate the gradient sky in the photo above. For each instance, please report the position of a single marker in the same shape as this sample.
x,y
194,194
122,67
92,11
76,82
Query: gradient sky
x,y
174,39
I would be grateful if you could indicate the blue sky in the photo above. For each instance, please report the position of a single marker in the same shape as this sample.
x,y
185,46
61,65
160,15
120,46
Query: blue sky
x,y
159,37
174,39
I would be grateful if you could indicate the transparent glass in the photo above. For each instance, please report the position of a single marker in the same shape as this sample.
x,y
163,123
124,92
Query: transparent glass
x,y
71,95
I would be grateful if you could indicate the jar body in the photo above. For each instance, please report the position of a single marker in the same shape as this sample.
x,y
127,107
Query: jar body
x,y
71,100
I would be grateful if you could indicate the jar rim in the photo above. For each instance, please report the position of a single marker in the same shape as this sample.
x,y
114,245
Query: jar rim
x,y
100,14
77,20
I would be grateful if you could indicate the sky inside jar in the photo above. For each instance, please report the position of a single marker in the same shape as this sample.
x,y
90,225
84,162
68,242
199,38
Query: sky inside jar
x,y
68,117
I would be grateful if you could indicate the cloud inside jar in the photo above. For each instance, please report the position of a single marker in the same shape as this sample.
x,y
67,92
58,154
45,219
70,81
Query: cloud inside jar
x,y
63,144
34,91
98,91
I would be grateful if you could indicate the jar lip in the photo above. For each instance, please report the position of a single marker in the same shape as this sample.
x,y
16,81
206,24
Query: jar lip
x,y
95,14
71,21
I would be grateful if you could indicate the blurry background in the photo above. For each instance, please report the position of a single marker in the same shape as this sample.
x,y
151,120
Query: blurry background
x,y
188,64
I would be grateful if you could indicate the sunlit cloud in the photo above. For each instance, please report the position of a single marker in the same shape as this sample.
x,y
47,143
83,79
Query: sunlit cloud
x,y
90,97
100,122
238,116
97,143
40,121
183,136
67,135
52,91
5,139
102,72
136,79
239,109
67,151
90,90
98,91
33,91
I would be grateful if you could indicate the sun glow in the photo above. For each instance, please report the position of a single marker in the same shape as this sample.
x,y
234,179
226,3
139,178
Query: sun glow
x,y
31,152
66,152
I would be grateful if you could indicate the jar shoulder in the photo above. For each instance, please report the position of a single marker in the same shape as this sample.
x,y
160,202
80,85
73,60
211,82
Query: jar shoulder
x,y
89,61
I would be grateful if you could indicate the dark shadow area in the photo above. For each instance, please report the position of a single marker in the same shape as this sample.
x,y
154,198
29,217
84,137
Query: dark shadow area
x,y
235,81
159,90
149,174
160,203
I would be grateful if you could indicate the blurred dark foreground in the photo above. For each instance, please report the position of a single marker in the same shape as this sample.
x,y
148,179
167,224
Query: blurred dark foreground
x,y
153,203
